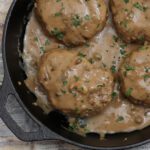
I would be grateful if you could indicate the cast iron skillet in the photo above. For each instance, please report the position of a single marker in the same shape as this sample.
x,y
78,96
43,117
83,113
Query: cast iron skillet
x,y
51,126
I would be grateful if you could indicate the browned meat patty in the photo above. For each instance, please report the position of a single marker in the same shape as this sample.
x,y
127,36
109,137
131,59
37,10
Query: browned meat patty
x,y
73,21
73,85
135,76
132,19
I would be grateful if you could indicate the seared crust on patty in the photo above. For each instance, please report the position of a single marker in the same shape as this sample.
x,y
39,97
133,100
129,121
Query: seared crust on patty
x,y
135,76
73,21
132,19
73,85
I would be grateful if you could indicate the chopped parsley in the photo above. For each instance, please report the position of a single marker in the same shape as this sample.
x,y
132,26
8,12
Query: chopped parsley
x,y
120,119
87,17
78,125
122,49
128,92
113,69
146,69
115,38
76,21
81,54
139,6
124,23
141,38
147,76
76,78
47,42
142,48
87,44
129,68
100,85
57,33
65,83
126,1
36,39
63,91
42,49
114,95
58,14
91,61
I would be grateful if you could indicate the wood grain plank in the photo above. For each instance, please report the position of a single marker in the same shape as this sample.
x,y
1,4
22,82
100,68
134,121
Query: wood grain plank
x,y
4,6
11,143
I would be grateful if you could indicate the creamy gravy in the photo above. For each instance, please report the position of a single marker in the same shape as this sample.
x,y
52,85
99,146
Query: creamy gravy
x,y
105,50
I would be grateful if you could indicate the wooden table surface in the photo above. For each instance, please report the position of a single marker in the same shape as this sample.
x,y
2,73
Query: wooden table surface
x,y
7,140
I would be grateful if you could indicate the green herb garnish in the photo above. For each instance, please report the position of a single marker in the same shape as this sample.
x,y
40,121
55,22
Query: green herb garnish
x,y
128,92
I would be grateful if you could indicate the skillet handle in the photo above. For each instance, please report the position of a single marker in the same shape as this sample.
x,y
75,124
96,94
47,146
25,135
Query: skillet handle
x,y
42,134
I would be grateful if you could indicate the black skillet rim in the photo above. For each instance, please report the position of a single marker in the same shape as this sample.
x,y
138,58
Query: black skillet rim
x,y
6,72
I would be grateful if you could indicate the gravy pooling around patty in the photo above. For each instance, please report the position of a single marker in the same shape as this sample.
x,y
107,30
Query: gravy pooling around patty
x,y
105,50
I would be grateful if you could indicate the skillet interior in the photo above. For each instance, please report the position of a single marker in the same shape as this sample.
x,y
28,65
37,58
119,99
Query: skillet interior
x,y
14,35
